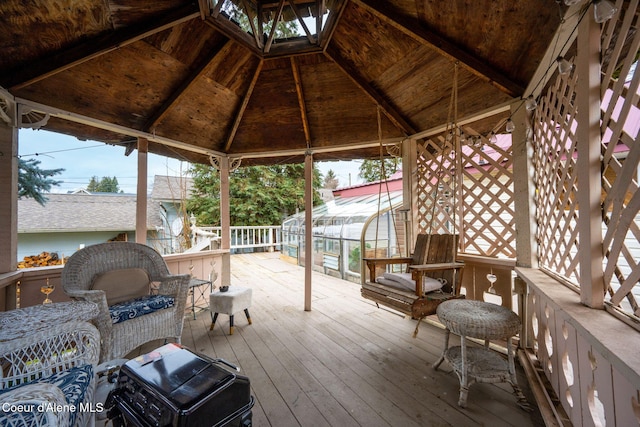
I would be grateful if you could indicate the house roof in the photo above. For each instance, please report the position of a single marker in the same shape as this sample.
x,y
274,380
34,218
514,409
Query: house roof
x,y
82,212
171,188
195,82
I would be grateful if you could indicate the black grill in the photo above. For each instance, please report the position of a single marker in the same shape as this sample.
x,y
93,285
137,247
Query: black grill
x,y
172,386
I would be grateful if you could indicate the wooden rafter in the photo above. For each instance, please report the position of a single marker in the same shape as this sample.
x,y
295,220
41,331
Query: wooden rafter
x,y
319,12
272,33
396,118
184,86
243,106
303,107
331,24
32,73
254,30
217,9
443,46
301,21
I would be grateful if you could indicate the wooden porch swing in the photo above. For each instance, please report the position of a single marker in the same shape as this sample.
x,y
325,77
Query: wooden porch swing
x,y
432,275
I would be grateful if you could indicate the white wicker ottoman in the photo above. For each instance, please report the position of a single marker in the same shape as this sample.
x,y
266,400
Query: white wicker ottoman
x,y
229,303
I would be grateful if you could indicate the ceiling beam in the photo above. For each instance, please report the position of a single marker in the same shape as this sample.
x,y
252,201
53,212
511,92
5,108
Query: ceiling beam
x,y
243,106
27,74
111,127
317,150
396,118
414,29
184,86
303,107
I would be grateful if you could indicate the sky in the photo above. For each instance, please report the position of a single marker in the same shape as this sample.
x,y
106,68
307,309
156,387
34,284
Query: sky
x,y
82,160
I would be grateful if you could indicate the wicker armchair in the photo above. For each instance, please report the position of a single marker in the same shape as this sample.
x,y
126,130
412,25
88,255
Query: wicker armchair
x,y
53,368
119,277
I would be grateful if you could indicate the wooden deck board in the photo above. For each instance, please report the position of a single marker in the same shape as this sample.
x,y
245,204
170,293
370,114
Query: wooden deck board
x,y
346,362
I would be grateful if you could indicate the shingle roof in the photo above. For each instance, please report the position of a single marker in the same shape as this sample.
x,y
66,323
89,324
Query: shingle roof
x,y
83,212
171,187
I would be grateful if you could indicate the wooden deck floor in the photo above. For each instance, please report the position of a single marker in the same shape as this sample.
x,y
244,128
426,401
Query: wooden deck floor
x,y
346,362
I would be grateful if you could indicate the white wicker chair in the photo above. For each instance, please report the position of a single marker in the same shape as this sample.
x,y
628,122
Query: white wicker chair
x,y
127,259
51,368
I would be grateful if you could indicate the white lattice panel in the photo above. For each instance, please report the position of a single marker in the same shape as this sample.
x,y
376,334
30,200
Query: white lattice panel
x,y
556,179
483,189
621,158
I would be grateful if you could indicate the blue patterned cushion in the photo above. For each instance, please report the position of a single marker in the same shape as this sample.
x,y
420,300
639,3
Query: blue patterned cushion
x,y
73,383
139,307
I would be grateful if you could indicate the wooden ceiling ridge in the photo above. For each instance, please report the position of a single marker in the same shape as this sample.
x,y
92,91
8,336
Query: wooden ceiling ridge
x,y
243,106
396,118
435,41
301,103
27,74
183,87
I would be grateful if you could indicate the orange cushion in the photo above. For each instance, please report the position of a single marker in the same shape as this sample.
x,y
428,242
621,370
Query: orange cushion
x,y
122,285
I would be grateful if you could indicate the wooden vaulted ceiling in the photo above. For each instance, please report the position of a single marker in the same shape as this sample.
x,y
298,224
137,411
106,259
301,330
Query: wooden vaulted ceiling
x,y
185,74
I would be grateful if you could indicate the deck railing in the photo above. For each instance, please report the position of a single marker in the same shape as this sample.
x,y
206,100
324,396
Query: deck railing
x,y
21,288
252,237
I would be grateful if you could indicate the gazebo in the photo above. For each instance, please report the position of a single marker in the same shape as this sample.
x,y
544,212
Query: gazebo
x,y
247,82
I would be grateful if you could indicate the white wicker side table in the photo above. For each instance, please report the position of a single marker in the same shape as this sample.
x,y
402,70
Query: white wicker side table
x,y
486,321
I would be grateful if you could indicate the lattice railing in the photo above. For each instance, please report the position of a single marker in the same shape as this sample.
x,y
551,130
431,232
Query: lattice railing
x,y
555,179
556,176
621,157
483,189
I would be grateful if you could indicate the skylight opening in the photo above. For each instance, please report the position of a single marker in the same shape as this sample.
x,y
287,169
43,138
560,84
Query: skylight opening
x,y
296,19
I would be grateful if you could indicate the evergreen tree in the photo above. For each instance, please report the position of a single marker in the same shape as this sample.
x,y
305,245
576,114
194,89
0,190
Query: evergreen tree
x,y
105,185
33,181
259,195
93,185
370,170
330,180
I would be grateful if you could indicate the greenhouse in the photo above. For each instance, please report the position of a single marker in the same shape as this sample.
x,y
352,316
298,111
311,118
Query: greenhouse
x,y
342,227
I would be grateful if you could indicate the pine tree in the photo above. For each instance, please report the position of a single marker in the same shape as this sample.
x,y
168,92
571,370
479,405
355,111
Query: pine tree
x,y
33,182
259,195
105,185
330,180
93,185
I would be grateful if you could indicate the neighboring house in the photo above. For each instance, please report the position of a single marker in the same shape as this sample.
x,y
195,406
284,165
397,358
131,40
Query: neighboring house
x,y
68,222
169,193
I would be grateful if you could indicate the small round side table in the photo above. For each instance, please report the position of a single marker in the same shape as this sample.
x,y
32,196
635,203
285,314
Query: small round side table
x,y
486,321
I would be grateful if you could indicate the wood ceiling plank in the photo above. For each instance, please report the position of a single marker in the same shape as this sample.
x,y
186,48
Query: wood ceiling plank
x,y
41,69
179,92
243,107
412,29
396,118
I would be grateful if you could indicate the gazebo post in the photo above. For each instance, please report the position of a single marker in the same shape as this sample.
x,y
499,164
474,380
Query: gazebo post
x,y
141,194
9,197
225,220
308,228
592,288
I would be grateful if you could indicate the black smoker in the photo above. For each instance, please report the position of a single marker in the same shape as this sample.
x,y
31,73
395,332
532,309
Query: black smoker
x,y
173,386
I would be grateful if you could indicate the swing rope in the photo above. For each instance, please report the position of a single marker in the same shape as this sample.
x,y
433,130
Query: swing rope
x,y
450,147
383,177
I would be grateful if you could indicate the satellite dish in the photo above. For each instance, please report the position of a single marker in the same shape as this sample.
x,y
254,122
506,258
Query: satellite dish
x,y
177,226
